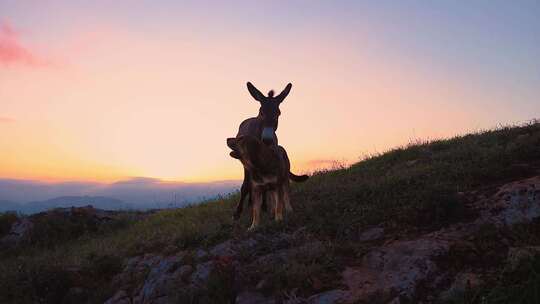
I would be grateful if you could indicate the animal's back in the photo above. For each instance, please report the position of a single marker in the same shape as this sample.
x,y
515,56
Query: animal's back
x,y
250,127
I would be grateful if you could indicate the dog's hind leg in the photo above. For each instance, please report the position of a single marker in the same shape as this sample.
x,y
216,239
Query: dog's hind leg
x,y
285,189
278,203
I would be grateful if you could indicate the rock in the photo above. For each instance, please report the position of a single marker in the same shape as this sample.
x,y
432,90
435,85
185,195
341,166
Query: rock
x,y
463,282
249,297
88,217
120,297
396,300
201,255
394,270
183,272
225,249
315,248
519,202
18,233
248,244
329,297
262,285
160,281
132,262
21,227
372,234
152,278
202,273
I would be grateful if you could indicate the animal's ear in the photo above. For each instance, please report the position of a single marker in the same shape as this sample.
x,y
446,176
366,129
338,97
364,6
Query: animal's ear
x,y
231,142
255,93
284,93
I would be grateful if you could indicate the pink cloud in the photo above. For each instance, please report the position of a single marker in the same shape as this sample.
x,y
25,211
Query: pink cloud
x,y
12,51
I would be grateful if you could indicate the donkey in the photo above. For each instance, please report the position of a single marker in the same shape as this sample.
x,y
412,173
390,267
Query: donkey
x,y
269,169
262,126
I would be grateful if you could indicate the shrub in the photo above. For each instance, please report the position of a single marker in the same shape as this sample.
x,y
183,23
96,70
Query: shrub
x,y
6,220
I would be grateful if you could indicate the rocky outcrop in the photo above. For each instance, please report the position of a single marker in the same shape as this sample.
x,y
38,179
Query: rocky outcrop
x,y
515,203
87,218
395,270
160,279
18,233
391,270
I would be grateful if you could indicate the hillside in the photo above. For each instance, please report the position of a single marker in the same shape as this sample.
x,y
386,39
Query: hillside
x,y
445,221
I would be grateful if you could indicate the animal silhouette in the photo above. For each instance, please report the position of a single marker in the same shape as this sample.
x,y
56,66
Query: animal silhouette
x,y
269,172
263,127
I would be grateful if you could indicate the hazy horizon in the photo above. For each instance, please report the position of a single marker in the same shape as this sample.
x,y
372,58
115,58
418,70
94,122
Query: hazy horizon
x,y
134,191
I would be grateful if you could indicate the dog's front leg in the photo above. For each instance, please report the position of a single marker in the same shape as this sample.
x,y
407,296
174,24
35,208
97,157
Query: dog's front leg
x,y
244,191
256,199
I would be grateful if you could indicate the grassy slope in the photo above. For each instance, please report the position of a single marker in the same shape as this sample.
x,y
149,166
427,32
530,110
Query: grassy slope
x,y
407,189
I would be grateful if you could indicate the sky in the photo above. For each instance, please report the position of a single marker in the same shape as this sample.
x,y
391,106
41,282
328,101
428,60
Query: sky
x,y
104,91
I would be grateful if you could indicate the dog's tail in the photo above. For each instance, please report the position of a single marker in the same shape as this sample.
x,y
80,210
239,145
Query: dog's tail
x,y
298,178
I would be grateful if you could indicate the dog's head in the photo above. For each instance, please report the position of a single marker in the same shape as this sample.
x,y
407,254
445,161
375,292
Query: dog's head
x,y
245,145
252,151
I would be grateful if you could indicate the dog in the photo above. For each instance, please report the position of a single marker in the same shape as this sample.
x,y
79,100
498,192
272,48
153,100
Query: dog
x,y
269,171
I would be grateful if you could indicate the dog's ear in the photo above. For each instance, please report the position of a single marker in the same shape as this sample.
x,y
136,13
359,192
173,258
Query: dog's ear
x,y
255,93
231,142
284,93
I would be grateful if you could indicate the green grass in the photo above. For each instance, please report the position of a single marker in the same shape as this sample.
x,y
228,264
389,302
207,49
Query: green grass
x,y
415,186
410,188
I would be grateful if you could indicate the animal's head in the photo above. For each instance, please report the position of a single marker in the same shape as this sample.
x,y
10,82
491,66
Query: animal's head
x,y
269,111
252,152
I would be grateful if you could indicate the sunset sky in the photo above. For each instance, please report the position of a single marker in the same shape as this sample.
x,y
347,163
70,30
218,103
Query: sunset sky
x,y
108,90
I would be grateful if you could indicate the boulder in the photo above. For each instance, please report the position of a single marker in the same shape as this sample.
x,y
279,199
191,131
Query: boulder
x,y
330,297
371,234
395,270
120,297
202,272
18,233
249,297
225,249
463,282
517,202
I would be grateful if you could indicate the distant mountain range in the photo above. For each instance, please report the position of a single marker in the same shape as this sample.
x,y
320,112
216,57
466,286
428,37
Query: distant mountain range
x,y
138,193
100,202
8,206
